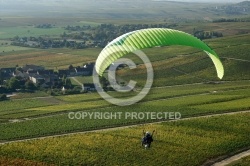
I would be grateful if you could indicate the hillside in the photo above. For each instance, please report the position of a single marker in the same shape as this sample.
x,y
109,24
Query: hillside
x,y
235,10
182,65
125,10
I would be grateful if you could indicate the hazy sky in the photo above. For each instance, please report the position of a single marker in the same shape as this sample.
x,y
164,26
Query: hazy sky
x,y
231,1
104,8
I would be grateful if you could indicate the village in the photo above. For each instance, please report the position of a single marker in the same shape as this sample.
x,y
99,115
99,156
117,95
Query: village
x,y
32,77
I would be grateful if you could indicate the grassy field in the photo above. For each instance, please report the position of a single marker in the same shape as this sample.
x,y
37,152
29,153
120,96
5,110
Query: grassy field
x,y
9,48
188,142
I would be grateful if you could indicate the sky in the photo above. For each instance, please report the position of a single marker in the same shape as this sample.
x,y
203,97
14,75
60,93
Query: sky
x,y
231,1
36,4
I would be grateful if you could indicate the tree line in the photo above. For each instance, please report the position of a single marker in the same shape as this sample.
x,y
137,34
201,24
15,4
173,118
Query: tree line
x,y
102,34
232,20
201,34
80,37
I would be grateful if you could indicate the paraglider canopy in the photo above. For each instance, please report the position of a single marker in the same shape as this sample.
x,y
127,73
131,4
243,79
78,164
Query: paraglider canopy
x,y
147,38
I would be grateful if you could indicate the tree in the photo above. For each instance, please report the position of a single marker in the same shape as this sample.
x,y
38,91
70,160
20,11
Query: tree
x,y
16,38
64,34
19,69
71,67
3,97
30,85
104,82
67,44
1,77
68,83
3,89
13,84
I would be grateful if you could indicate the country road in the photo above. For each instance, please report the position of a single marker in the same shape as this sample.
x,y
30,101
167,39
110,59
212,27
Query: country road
x,y
232,158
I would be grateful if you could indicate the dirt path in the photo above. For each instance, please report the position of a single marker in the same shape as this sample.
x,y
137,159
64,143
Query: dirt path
x,y
232,158
11,95
242,60
76,80
123,127
33,98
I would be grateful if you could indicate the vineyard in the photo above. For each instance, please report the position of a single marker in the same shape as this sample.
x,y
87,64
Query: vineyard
x,y
13,105
4,161
192,105
35,94
50,60
194,66
15,109
187,142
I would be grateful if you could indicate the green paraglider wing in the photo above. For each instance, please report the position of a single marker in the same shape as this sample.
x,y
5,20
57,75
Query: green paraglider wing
x,y
147,38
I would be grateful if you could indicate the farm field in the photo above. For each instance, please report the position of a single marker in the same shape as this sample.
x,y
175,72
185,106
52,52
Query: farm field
x,y
7,106
16,109
24,31
187,142
49,60
187,105
195,66
9,48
